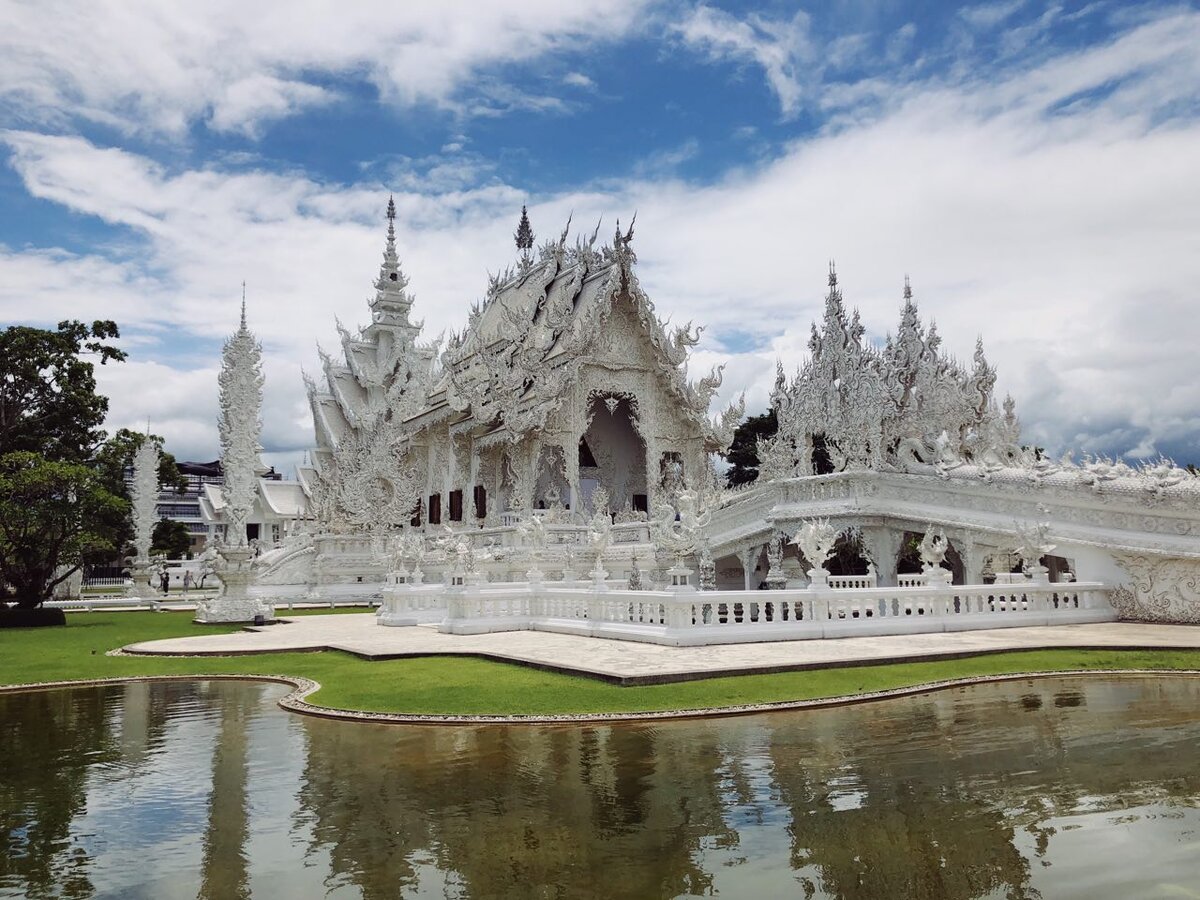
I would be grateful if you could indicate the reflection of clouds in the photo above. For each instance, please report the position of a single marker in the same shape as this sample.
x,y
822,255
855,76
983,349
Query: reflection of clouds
x,y
1039,785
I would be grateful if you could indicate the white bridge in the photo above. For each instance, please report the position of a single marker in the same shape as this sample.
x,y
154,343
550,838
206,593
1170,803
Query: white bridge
x,y
695,618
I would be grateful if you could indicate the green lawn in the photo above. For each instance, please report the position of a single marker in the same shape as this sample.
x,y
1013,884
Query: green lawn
x,y
471,686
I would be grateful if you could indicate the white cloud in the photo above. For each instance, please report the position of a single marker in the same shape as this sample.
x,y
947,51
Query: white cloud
x,y
579,80
1067,235
157,66
247,104
988,15
783,48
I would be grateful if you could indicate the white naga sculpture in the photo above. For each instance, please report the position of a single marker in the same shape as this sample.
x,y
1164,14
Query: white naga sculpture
x,y
932,550
1033,543
239,426
599,533
816,539
532,530
143,494
679,532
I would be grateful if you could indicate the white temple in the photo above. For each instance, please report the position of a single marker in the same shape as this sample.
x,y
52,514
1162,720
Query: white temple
x,y
559,433
564,380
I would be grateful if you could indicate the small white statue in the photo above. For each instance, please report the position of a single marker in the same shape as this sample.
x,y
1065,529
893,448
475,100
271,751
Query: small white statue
x,y
816,539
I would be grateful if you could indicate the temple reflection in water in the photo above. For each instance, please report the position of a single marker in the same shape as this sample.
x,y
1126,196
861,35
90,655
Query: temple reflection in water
x,y
1007,790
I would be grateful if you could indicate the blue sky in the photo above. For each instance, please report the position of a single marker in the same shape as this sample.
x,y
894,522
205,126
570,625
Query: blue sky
x,y
1034,167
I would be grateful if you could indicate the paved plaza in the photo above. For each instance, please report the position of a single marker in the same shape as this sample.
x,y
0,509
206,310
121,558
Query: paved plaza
x,y
632,662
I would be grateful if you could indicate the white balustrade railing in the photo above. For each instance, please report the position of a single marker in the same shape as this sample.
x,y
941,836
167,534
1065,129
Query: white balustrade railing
x,y
853,582
106,581
703,617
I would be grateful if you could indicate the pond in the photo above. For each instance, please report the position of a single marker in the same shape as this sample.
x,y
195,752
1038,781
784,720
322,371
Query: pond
x,y
1062,787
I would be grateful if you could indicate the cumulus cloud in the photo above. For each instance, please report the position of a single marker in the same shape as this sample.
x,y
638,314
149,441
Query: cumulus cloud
x,y
1054,211
158,67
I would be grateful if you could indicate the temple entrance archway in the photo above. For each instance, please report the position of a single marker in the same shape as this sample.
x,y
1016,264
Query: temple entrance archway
x,y
612,453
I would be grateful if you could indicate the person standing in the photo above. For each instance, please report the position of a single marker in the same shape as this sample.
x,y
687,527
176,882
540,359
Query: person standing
x,y
187,580
165,580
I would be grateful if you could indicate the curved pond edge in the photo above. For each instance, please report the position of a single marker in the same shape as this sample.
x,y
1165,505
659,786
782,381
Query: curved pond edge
x,y
302,688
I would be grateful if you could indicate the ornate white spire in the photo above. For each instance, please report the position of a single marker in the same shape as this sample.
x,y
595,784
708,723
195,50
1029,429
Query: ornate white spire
x,y
239,425
392,302
143,493
524,239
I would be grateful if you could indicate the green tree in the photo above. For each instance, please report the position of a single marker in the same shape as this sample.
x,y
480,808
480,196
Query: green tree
x,y
48,399
55,505
743,452
172,538
51,514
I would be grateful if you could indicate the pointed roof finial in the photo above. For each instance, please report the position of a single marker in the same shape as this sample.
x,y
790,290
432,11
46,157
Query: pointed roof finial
x,y
243,305
832,274
391,217
907,288
524,232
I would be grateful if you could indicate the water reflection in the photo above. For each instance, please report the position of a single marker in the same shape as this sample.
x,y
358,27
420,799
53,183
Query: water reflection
x,y
1028,789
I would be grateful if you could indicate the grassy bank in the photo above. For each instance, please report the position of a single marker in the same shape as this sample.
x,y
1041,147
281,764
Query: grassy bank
x,y
471,686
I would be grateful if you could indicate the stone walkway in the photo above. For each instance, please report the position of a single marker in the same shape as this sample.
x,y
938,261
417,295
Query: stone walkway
x,y
633,663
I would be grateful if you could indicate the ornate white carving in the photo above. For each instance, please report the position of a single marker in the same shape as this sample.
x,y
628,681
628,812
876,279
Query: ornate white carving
x,y
1159,590
854,407
680,532
239,425
932,549
143,495
815,539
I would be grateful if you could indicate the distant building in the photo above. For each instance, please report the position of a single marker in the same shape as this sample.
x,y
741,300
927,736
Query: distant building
x,y
185,506
278,506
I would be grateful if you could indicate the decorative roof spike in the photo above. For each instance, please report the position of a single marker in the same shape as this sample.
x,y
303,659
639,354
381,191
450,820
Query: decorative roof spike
x,y
832,274
243,306
524,232
389,253
907,288
628,239
391,284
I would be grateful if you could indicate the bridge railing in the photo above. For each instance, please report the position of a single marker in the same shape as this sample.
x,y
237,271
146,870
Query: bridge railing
x,y
699,617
